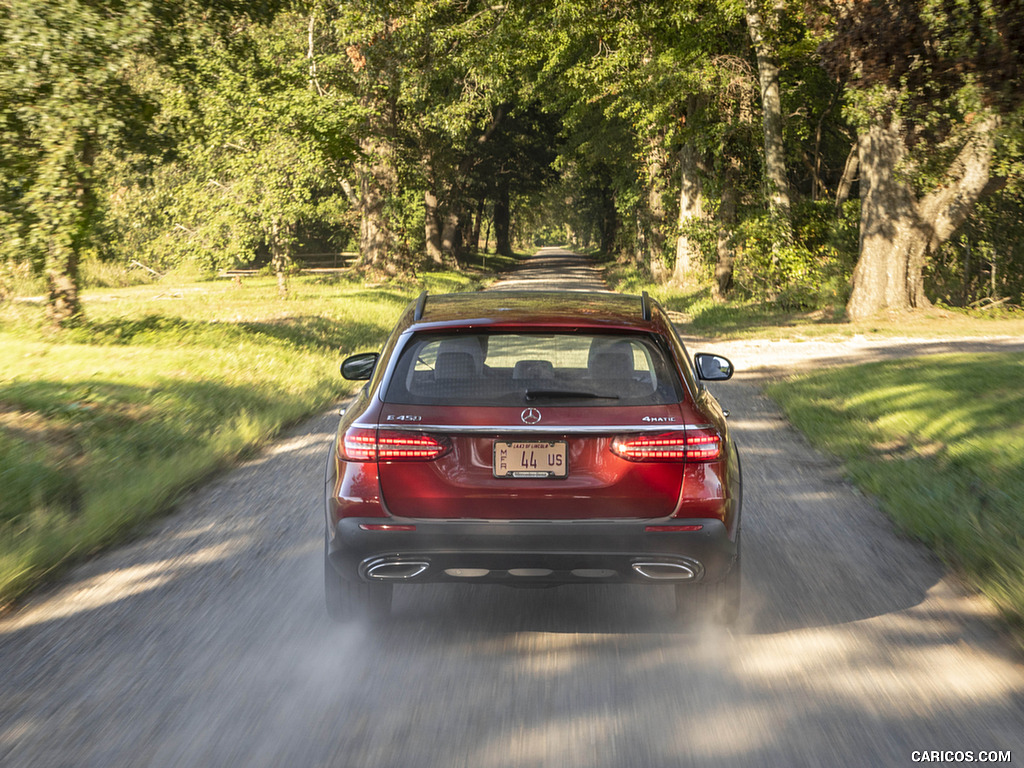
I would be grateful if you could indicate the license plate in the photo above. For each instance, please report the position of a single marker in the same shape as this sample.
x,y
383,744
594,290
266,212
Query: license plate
x,y
531,459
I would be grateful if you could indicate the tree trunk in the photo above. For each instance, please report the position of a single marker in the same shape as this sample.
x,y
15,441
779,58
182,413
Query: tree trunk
x,y
71,215
448,229
63,305
726,224
691,211
609,221
849,177
474,241
376,177
502,221
432,228
898,230
450,235
653,220
884,275
280,256
771,106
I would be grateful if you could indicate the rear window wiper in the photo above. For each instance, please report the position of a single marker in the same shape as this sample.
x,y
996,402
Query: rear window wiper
x,y
537,394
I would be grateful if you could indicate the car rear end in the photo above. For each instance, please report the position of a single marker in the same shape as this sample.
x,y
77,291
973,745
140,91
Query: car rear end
x,y
534,451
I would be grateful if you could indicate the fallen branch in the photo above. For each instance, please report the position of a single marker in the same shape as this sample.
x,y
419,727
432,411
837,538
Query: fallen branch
x,y
148,269
991,303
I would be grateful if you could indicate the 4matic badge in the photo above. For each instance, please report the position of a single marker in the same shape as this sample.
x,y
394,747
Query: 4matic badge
x,y
658,418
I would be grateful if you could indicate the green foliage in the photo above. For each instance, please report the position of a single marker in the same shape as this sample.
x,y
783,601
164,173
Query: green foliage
x,y
643,78
933,67
703,233
203,135
258,155
812,268
64,101
17,279
981,266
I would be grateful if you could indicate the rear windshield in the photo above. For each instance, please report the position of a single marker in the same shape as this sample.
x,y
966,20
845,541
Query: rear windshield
x,y
498,369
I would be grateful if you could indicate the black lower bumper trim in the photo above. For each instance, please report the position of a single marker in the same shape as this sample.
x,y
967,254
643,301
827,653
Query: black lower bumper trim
x,y
560,552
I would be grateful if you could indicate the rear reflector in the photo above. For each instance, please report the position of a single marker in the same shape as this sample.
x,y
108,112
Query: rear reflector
x,y
693,444
370,445
385,527
672,528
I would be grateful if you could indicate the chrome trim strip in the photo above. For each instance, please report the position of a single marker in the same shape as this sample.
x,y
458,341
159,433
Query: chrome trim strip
x,y
547,429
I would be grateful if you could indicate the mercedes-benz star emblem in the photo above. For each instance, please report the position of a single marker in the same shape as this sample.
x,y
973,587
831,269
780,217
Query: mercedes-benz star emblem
x,y
530,416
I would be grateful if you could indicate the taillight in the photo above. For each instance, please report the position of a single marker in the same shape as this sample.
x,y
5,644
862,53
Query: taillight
x,y
369,445
359,445
693,444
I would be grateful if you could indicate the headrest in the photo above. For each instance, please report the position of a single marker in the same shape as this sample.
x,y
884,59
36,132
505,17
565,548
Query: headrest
x,y
610,358
454,366
467,345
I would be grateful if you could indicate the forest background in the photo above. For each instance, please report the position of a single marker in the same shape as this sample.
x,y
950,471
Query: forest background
x,y
854,155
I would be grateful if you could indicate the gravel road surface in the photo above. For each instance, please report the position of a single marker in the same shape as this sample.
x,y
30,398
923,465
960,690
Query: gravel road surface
x,y
205,642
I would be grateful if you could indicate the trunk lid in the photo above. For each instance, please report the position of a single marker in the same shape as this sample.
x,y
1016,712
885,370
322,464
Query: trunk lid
x,y
538,462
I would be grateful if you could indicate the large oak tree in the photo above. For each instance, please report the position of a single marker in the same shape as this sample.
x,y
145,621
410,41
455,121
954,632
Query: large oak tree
x,y
928,85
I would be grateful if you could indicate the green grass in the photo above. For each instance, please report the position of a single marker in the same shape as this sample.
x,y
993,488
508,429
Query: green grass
x,y
104,426
940,442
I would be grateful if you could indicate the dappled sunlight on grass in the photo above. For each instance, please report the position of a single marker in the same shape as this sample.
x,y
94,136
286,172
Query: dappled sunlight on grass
x,y
940,441
162,384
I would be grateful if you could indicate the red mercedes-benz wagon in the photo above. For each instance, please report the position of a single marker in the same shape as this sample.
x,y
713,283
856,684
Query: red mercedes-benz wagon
x,y
533,438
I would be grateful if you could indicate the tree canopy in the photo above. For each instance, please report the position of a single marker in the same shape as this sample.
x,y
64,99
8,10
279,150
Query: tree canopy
x,y
862,154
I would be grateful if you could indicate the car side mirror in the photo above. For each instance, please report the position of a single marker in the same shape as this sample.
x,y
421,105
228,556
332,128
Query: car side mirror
x,y
359,367
712,367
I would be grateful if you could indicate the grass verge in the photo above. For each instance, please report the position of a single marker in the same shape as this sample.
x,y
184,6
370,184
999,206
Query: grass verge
x,y
103,427
940,442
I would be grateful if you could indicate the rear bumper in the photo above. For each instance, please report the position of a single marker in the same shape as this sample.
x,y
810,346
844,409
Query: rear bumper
x,y
524,552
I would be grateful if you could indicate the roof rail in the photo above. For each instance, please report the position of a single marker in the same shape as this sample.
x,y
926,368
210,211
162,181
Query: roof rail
x,y
421,304
645,305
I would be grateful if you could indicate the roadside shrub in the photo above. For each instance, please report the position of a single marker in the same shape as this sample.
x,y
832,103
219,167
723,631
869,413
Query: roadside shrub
x,y
809,268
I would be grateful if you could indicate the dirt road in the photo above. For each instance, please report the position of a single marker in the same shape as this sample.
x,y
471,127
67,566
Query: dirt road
x,y
205,643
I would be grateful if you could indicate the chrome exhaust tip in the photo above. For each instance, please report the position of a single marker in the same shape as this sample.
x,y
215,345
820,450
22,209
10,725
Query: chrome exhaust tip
x,y
666,571
396,570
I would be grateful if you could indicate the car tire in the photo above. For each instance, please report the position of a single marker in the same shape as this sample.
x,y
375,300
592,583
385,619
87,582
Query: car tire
x,y
716,603
354,600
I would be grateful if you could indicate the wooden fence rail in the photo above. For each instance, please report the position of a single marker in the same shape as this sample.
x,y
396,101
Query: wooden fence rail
x,y
309,262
